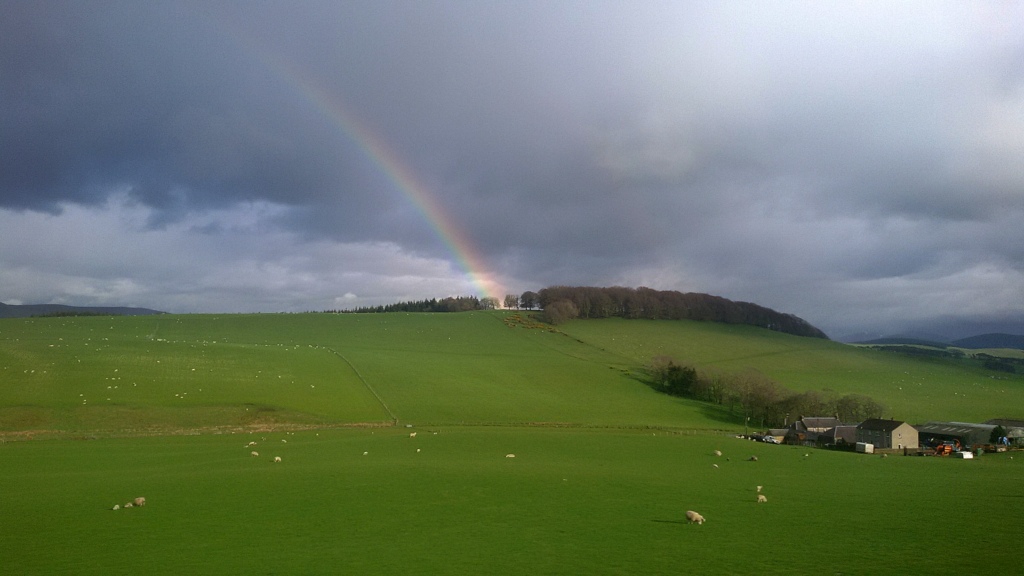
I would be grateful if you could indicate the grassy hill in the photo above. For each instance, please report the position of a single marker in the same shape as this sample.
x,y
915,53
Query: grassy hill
x,y
601,488
162,373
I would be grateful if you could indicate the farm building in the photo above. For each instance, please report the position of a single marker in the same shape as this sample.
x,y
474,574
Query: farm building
x,y
816,424
966,433
1014,429
838,435
806,430
885,434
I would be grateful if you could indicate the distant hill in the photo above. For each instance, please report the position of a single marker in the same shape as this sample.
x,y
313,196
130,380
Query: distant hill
x,y
30,310
991,341
622,302
903,341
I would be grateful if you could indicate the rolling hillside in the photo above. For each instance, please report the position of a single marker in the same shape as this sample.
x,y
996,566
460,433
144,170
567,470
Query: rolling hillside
x,y
166,373
532,450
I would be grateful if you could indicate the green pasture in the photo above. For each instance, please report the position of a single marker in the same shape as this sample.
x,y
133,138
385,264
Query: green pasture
x,y
449,501
914,389
159,373
95,411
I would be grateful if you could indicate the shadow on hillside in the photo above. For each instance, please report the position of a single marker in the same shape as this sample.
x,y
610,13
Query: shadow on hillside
x,y
719,414
670,521
713,412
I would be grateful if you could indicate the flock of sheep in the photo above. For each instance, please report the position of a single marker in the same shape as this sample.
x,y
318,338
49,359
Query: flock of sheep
x,y
256,454
691,516
695,517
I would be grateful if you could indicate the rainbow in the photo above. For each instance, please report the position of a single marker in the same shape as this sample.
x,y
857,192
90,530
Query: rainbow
x,y
466,257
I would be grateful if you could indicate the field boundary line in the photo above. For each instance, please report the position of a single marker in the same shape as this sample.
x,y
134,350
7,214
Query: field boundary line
x,y
394,419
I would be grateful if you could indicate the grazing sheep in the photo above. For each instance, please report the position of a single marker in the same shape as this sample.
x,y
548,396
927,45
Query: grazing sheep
x,y
510,455
753,458
253,443
718,452
761,498
412,434
277,458
254,453
140,501
714,465
117,506
759,488
128,505
692,517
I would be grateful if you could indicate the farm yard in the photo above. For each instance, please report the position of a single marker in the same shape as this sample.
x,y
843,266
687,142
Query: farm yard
x,y
172,407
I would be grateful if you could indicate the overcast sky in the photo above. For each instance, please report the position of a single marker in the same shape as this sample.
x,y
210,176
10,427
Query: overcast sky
x,y
858,164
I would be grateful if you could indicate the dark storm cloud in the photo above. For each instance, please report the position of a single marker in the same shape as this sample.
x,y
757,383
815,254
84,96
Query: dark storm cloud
x,y
153,100
796,155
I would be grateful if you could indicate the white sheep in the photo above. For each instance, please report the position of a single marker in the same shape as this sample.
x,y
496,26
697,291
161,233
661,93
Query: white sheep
x,y
277,458
510,455
412,434
254,453
140,501
718,452
128,505
692,517
753,458
117,506
761,498
714,465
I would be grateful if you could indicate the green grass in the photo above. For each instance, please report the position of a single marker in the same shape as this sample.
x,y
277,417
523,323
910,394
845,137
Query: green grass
x,y
572,501
916,390
604,469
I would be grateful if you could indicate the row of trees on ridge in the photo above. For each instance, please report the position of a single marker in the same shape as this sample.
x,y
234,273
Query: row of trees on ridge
x,y
562,303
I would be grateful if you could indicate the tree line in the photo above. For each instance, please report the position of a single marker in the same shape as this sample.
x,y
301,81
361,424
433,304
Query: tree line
x,y
754,396
563,303
449,304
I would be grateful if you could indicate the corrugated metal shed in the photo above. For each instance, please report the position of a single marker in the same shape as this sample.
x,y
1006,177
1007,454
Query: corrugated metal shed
x,y
967,433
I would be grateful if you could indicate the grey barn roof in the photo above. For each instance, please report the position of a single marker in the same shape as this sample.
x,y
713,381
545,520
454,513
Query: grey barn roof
x,y
954,428
880,424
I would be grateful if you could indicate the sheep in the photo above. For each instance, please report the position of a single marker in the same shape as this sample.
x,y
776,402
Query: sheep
x,y
753,458
692,517
714,465
510,455
718,452
277,458
761,498
128,505
759,488
412,434
254,453
117,506
253,443
140,501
